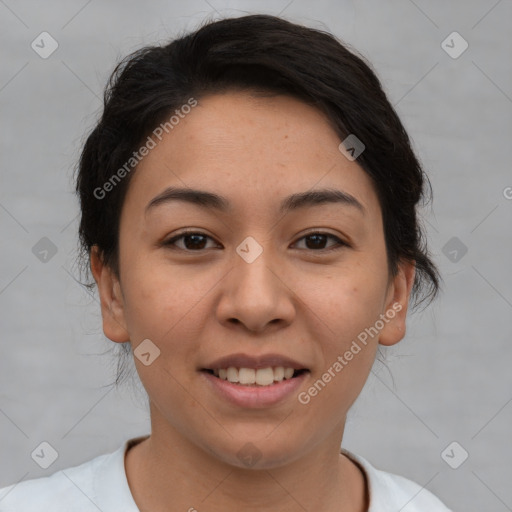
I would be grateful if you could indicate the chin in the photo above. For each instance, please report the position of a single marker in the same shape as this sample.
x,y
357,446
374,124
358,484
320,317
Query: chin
x,y
258,452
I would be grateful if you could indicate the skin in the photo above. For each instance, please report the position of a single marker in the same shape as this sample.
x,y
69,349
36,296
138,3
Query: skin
x,y
294,299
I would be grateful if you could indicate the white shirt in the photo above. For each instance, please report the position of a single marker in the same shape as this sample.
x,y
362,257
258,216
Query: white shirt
x,y
100,484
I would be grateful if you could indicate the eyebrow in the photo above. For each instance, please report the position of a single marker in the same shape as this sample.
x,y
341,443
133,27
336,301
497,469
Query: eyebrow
x,y
210,200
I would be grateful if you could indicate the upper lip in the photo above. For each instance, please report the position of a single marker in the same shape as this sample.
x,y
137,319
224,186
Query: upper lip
x,y
256,362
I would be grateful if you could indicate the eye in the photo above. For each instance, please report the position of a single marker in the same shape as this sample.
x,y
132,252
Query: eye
x,y
195,241
192,241
317,240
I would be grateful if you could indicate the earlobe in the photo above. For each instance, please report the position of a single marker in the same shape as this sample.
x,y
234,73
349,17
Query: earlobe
x,y
397,305
112,304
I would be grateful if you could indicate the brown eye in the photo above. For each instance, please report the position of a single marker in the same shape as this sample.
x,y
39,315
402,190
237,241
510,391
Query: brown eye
x,y
317,241
190,241
194,241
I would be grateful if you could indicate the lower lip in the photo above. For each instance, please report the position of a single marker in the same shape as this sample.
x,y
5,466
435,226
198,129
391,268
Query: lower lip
x,y
255,396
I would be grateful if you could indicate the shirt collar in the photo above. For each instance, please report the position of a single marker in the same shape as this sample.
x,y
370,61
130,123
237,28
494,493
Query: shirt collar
x,y
112,475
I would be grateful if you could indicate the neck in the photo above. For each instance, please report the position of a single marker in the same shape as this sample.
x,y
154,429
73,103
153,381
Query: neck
x,y
166,470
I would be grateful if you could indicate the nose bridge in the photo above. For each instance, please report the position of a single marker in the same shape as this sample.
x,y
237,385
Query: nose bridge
x,y
253,276
253,294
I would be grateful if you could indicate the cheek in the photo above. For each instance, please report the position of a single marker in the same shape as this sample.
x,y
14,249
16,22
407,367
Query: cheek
x,y
166,304
348,304
351,312
347,310
348,301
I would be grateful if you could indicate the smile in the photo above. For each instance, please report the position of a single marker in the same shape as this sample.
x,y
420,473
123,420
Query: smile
x,y
256,377
254,382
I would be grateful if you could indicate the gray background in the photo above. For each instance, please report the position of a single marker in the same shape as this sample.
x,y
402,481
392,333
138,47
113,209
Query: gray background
x,y
451,378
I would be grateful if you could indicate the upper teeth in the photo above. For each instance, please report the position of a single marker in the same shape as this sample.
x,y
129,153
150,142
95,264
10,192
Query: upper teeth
x,y
262,376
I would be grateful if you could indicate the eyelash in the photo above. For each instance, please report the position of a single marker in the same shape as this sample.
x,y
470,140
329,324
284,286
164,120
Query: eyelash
x,y
339,243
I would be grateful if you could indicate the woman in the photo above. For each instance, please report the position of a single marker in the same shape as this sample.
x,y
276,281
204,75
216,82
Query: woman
x,y
248,204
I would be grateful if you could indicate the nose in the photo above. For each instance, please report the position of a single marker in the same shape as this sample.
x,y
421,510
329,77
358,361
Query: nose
x,y
256,295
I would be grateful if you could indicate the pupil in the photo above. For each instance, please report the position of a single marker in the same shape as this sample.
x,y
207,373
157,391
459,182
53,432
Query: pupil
x,y
320,241
196,244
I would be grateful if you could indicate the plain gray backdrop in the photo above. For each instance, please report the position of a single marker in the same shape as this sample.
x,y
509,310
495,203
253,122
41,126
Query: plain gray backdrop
x,y
451,378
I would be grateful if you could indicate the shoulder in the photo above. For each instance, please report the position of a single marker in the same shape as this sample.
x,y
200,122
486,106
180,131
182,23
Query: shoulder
x,y
99,483
390,492
72,485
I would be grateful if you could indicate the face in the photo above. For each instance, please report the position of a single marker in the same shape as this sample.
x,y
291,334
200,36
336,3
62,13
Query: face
x,y
259,276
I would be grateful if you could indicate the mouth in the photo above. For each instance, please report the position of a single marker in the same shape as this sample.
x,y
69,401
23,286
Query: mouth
x,y
255,376
255,382
264,370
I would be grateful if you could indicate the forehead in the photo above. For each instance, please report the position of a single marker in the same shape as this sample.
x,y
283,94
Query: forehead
x,y
253,151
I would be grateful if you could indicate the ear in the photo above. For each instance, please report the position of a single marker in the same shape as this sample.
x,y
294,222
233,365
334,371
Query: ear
x,y
397,302
111,297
